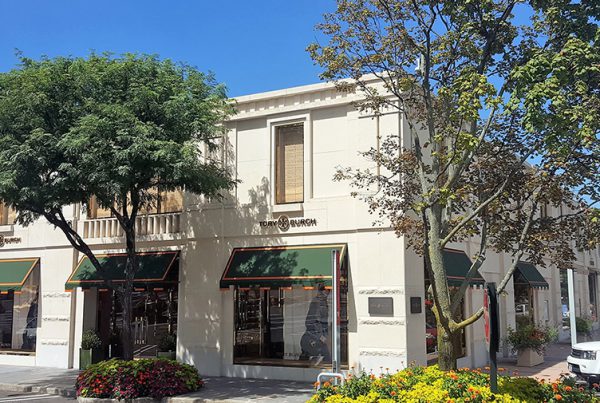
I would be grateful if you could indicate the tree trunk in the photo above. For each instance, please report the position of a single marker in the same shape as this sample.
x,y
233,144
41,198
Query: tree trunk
x,y
130,269
126,334
449,346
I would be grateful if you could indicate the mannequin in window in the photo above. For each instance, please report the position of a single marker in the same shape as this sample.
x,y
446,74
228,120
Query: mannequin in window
x,y
314,341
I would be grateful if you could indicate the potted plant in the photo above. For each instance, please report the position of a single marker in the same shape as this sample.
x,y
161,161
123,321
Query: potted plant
x,y
90,351
166,346
583,327
529,342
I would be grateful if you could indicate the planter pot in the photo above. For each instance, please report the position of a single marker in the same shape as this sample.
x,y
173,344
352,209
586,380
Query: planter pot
x,y
89,357
169,355
529,358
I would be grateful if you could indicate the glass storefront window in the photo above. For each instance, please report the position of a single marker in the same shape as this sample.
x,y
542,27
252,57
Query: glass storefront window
x,y
19,316
592,284
564,299
524,314
287,326
154,316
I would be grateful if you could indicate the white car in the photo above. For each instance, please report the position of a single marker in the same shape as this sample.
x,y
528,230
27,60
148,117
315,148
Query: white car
x,y
584,361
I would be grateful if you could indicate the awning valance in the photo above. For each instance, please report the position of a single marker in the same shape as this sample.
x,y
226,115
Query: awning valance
x,y
14,272
526,273
281,266
457,265
155,270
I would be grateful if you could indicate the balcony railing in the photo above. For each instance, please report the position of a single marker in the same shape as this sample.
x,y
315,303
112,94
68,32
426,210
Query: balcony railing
x,y
145,225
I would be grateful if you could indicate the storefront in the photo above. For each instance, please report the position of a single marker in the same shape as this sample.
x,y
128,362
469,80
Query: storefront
x,y
282,299
526,281
19,296
456,265
154,300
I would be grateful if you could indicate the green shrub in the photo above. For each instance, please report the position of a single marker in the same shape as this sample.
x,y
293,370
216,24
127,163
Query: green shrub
x,y
90,340
167,343
583,325
118,379
526,389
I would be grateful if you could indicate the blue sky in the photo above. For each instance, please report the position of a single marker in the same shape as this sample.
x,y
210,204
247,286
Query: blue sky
x,y
251,45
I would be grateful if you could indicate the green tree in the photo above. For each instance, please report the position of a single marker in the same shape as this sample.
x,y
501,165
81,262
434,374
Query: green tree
x,y
115,128
500,106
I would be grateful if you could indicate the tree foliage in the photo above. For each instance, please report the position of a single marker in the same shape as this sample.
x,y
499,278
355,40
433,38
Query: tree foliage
x,y
116,128
500,101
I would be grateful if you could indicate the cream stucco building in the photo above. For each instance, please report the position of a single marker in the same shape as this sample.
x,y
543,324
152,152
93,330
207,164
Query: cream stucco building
x,y
245,282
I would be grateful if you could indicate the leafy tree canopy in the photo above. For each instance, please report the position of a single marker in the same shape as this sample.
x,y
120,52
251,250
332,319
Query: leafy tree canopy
x,y
500,101
113,127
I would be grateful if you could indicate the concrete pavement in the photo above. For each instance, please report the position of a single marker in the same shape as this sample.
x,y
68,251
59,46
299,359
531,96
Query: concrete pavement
x,y
55,381
554,365
237,390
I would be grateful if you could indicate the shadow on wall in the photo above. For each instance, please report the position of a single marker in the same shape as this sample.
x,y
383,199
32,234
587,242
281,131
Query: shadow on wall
x,y
214,230
206,313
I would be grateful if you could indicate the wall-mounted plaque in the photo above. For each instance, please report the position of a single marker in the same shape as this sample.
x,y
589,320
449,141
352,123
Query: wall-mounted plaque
x,y
415,305
381,306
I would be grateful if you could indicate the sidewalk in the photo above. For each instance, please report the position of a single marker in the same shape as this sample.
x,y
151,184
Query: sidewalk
x,y
555,361
555,364
217,389
38,379
238,390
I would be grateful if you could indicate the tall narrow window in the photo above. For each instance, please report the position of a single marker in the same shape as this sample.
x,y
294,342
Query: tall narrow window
x,y
95,211
8,215
289,163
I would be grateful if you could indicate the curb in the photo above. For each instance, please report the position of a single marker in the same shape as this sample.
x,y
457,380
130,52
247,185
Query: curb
x,y
9,387
65,392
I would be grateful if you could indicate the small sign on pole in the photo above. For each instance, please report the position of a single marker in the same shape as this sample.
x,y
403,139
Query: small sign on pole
x,y
492,332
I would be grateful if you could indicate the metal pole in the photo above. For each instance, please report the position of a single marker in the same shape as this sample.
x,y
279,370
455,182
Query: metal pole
x,y
571,288
335,324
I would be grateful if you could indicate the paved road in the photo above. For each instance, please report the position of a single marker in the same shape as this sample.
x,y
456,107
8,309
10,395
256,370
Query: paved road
x,y
30,397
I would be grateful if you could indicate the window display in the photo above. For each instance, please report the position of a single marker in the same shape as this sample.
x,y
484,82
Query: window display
x,y
289,326
19,316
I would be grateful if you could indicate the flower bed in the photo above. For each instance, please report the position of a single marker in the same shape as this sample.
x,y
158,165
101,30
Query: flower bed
x,y
429,384
118,379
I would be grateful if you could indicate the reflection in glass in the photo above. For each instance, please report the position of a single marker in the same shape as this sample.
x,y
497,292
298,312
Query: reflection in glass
x,y
19,316
287,326
154,313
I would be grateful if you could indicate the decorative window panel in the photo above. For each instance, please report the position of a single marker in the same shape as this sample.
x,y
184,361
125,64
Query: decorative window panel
x,y
289,163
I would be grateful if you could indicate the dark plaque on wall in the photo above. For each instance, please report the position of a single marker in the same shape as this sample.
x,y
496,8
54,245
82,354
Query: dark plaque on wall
x,y
415,305
381,306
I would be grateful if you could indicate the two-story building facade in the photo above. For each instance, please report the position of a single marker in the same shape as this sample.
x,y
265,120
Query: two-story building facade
x,y
245,283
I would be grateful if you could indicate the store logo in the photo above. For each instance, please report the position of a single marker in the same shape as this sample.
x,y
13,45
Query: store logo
x,y
284,223
9,239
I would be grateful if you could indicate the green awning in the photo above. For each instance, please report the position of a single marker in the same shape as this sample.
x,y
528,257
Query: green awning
x,y
280,266
14,272
457,265
528,274
155,270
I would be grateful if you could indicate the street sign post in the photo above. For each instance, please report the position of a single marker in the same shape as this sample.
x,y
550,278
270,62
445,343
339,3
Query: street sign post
x,y
492,332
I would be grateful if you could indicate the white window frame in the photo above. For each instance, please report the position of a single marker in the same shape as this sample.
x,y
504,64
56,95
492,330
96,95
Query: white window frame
x,y
273,124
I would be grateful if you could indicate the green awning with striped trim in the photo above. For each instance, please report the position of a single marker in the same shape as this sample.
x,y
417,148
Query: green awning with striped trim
x,y
457,265
281,266
528,274
15,272
155,270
